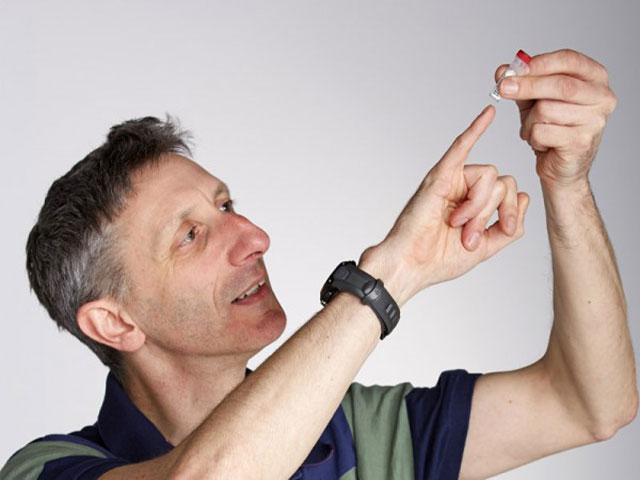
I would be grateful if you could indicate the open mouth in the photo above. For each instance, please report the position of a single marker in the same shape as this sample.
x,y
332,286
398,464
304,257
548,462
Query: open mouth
x,y
258,288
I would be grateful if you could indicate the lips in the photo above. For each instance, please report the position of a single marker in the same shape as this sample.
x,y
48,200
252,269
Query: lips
x,y
250,291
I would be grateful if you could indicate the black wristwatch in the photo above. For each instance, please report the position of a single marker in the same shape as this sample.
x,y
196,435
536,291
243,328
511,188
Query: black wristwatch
x,y
347,277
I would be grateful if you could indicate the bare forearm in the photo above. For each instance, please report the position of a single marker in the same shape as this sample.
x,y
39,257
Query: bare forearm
x,y
590,356
270,422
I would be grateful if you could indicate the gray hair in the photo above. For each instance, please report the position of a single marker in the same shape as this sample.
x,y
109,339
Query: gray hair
x,y
72,250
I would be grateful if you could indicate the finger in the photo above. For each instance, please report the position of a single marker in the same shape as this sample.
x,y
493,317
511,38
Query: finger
x,y
459,150
480,180
494,239
560,113
474,229
545,136
553,87
500,70
508,208
569,62
504,198
523,105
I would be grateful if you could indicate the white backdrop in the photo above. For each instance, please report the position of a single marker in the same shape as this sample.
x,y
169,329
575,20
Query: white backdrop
x,y
323,117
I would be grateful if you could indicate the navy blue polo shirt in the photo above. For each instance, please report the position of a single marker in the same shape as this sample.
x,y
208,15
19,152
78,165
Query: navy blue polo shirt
x,y
377,432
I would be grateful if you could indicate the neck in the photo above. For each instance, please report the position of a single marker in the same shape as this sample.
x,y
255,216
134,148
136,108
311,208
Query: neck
x,y
177,396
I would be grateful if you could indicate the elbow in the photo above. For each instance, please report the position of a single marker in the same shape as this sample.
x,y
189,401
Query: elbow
x,y
607,430
633,410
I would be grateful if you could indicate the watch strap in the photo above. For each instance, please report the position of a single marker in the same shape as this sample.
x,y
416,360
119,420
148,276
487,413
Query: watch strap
x,y
347,277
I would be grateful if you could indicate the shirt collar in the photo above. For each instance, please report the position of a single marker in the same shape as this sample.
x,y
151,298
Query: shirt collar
x,y
125,430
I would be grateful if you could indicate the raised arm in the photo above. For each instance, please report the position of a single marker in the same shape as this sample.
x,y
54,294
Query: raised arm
x,y
584,388
270,422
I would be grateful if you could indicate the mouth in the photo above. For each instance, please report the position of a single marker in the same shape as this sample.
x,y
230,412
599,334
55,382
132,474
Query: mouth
x,y
253,294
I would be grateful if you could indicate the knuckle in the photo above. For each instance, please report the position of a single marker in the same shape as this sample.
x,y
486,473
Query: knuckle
x,y
524,132
431,176
604,72
573,58
500,189
612,101
492,171
544,108
583,140
510,181
460,141
568,87
536,131
535,146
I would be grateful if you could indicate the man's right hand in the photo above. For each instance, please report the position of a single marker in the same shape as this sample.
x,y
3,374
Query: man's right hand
x,y
432,240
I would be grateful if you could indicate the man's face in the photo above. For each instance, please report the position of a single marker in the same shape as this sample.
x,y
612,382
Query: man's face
x,y
189,257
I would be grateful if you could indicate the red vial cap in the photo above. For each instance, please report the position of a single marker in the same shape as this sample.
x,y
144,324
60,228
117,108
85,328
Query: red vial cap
x,y
523,56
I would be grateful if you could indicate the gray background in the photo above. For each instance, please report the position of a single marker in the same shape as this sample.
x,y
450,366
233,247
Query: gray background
x,y
323,117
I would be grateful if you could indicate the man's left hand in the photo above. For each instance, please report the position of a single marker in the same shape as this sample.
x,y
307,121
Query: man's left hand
x,y
564,104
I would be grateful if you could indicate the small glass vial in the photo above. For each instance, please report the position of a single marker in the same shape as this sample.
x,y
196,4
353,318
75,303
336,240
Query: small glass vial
x,y
519,66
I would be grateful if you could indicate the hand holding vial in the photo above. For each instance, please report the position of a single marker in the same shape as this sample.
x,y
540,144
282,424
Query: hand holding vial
x,y
564,101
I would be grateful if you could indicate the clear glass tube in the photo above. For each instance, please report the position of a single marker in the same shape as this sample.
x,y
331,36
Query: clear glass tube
x,y
519,66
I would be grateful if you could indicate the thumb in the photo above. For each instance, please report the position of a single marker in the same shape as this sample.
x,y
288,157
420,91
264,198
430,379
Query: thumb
x,y
523,105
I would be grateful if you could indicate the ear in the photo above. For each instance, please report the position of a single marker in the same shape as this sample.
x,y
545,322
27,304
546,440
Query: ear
x,y
106,322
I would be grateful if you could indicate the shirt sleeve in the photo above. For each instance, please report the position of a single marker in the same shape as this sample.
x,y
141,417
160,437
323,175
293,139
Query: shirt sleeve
x,y
60,459
377,417
402,432
439,420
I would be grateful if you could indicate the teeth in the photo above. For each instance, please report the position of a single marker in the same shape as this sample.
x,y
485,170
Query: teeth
x,y
250,291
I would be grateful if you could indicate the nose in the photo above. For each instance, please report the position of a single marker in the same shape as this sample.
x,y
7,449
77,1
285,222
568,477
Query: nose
x,y
251,242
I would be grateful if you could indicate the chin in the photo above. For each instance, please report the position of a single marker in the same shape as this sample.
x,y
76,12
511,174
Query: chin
x,y
253,336
272,325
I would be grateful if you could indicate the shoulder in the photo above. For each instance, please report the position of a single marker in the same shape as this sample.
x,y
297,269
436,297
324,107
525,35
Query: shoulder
x,y
453,391
387,402
56,452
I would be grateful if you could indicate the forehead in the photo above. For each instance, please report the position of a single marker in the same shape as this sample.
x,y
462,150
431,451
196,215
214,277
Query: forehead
x,y
173,174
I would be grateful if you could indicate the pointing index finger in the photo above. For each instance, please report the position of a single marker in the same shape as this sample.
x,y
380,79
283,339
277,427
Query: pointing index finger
x,y
460,148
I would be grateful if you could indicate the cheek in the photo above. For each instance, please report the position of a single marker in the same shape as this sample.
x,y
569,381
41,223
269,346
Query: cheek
x,y
178,307
181,323
201,286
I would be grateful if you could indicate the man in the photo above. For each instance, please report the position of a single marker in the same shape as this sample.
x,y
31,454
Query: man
x,y
139,253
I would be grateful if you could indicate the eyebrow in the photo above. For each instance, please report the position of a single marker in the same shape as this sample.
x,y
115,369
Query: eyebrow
x,y
179,217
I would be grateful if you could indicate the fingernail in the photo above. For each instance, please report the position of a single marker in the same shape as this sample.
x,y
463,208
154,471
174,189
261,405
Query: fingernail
x,y
460,221
473,240
508,86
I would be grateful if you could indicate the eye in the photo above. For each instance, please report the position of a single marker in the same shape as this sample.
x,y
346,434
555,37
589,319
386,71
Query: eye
x,y
228,206
191,236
